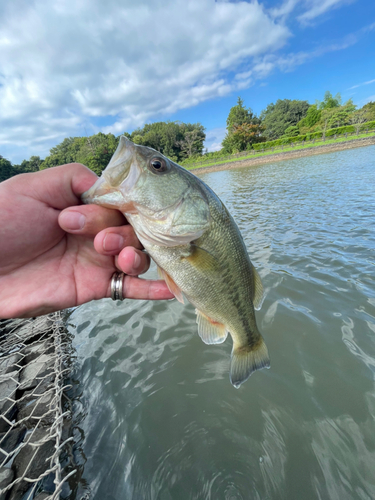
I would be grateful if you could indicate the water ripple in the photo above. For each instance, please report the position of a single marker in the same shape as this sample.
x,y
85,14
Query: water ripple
x,y
163,421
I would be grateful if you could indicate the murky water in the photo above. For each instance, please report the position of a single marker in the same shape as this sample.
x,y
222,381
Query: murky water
x,y
162,420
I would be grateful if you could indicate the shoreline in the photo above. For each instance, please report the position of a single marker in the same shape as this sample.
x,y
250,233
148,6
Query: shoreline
x,y
288,155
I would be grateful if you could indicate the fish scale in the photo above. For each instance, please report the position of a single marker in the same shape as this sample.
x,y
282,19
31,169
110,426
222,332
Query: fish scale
x,y
196,244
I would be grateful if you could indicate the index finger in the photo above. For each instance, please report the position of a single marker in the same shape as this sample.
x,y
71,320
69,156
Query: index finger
x,y
89,220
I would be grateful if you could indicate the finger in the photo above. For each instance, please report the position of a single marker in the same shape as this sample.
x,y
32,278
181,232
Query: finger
x,y
59,187
132,261
136,288
112,240
89,220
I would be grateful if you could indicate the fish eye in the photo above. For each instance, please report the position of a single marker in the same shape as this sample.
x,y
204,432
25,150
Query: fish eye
x,y
158,165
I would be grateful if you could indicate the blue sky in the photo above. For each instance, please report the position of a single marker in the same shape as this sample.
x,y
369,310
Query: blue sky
x,y
71,68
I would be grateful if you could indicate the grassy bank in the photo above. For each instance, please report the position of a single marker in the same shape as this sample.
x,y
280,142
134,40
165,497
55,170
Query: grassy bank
x,y
250,155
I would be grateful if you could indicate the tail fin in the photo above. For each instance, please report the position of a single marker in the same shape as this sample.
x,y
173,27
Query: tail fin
x,y
246,360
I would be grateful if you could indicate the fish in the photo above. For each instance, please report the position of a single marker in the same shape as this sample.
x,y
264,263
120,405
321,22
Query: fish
x,y
196,244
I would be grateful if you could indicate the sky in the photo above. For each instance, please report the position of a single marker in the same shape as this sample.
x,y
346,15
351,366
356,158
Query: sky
x,y
77,67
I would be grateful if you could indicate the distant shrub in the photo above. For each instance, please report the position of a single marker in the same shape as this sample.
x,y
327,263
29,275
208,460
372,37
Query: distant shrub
x,y
346,129
292,131
368,125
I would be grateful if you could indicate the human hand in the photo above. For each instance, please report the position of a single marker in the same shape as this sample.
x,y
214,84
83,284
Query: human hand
x,y
56,253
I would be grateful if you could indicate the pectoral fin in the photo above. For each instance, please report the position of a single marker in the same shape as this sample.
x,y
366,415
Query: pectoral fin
x,y
210,331
258,293
173,288
202,259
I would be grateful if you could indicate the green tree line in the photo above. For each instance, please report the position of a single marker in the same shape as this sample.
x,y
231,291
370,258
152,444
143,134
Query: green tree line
x,y
183,142
290,118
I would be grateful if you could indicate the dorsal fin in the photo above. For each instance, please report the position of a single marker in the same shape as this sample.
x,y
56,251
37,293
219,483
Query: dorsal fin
x,y
211,332
173,288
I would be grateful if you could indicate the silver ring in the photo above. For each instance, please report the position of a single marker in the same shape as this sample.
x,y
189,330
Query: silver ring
x,y
117,283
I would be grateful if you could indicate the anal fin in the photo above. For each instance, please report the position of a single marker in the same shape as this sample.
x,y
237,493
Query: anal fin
x,y
246,360
173,288
210,331
258,293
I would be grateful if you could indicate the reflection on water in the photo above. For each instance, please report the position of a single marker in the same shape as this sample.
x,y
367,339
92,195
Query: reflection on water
x,y
162,420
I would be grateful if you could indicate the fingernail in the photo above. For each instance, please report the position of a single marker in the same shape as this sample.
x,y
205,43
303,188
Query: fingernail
x,y
112,242
72,220
137,261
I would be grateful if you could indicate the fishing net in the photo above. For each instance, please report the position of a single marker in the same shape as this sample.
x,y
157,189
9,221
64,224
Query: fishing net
x,y
34,408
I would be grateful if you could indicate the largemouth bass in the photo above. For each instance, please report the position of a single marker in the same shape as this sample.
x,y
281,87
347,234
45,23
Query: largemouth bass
x,y
196,244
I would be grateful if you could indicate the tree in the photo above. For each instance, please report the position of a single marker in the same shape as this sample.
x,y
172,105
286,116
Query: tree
x,y
291,131
370,110
6,169
325,126
358,118
312,117
174,139
243,136
191,144
336,116
194,137
243,129
150,137
32,165
350,106
239,114
94,152
285,113
339,118
171,139
329,101
64,152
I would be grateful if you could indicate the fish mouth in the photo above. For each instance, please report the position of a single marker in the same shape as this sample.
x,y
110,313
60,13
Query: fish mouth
x,y
113,188
102,193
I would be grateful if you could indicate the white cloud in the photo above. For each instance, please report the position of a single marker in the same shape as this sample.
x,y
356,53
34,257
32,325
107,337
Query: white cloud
x,y
67,66
285,8
369,99
214,138
265,65
66,63
308,9
360,84
316,8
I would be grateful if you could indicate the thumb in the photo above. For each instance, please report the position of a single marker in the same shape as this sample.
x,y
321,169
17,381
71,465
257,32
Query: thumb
x,y
58,187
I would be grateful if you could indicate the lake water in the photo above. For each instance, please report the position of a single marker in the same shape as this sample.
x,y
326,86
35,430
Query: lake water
x,y
159,418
